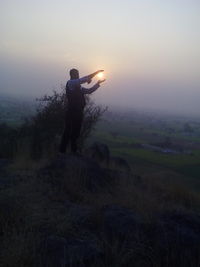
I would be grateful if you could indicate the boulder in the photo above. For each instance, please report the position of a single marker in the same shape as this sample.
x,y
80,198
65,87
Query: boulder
x,y
79,214
120,223
91,176
100,152
119,163
175,237
182,227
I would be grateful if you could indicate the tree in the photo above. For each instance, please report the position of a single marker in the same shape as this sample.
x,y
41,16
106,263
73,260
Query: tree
x,y
8,142
46,127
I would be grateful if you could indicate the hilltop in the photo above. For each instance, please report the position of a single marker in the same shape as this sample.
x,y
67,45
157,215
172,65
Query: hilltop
x,y
83,211
123,202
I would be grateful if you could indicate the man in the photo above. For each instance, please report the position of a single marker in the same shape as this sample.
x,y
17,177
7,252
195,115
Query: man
x,y
76,103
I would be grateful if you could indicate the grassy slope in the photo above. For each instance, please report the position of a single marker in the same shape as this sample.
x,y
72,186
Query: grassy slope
x,y
35,204
184,164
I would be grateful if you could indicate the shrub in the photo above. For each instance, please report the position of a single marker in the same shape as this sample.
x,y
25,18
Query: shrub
x,y
47,125
8,144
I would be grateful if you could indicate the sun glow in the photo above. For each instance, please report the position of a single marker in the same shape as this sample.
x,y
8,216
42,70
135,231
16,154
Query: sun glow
x,y
100,75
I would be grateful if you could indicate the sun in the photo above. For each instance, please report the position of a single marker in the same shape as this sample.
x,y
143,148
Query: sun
x,y
100,75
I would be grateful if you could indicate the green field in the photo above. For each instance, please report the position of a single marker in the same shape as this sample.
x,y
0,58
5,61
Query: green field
x,y
121,136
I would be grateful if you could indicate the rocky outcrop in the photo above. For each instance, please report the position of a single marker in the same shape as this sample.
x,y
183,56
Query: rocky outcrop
x,y
174,237
99,152
64,168
90,234
120,223
80,215
119,163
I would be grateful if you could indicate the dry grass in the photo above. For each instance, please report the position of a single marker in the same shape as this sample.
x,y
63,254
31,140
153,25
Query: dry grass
x,y
19,247
26,211
34,203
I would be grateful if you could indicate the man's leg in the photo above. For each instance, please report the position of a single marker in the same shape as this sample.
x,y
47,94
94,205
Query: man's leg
x,y
76,130
66,134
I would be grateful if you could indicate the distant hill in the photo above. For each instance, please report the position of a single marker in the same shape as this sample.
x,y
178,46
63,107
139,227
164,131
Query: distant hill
x,y
14,109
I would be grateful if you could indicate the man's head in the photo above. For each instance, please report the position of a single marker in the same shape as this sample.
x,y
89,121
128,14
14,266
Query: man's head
x,y
74,74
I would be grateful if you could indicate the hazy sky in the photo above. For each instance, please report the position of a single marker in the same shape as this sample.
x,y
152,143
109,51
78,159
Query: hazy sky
x,y
148,48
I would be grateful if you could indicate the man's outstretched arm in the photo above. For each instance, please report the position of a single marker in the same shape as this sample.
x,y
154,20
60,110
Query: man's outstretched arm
x,y
85,79
92,89
89,77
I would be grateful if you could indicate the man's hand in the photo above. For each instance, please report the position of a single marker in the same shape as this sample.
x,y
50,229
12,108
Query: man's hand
x,y
100,71
91,76
101,81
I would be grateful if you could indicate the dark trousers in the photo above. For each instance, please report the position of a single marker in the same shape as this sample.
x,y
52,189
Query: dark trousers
x,y
72,130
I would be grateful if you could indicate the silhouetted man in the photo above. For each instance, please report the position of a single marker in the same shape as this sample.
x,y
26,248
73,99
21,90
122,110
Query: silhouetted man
x,y
76,103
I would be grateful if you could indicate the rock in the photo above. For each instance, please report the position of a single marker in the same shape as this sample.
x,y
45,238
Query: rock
x,y
79,214
184,227
61,252
119,163
120,223
100,152
91,176
175,236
